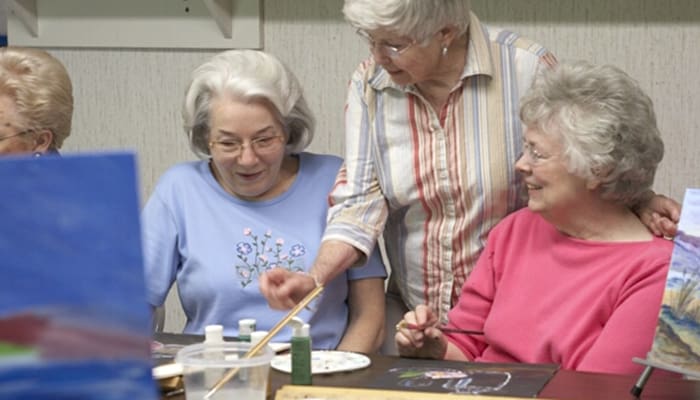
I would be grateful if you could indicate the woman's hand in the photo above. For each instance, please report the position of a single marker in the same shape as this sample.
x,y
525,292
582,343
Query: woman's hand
x,y
417,335
284,289
660,214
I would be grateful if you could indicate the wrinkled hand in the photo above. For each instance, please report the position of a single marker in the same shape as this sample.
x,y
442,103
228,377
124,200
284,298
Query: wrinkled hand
x,y
425,342
284,289
660,214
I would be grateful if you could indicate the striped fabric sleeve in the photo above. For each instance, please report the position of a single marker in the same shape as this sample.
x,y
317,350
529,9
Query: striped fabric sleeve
x,y
358,208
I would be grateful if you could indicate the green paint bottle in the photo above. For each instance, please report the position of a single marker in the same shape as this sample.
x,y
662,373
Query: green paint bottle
x,y
301,353
245,328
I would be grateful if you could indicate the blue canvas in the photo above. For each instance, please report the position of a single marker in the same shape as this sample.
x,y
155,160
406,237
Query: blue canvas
x,y
677,341
74,322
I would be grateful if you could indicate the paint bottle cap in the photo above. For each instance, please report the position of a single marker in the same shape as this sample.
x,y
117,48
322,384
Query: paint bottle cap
x,y
213,334
246,326
257,336
299,327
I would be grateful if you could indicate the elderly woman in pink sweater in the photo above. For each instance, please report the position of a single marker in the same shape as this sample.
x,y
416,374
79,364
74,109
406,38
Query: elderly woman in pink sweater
x,y
575,278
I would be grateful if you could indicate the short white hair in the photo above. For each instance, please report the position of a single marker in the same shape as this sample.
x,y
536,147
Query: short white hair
x,y
606,123
417,19
248,76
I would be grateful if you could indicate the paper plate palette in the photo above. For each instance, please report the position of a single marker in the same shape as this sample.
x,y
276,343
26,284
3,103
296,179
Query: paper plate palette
x,y
167,371
325,362
279,347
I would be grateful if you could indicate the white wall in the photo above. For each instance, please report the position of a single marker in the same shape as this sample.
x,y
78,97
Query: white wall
x,y
131,98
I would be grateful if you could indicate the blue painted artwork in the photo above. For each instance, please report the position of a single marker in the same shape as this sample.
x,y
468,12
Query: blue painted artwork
x,y
74,322
677,339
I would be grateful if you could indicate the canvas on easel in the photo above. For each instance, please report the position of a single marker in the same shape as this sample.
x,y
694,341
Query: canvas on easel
x,y
676,345
74,322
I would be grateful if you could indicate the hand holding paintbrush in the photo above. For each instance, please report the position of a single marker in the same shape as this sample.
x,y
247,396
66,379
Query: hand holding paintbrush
x,y
406,325
419,335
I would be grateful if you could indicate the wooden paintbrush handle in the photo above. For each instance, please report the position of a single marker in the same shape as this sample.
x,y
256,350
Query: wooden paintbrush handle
x,y
265,340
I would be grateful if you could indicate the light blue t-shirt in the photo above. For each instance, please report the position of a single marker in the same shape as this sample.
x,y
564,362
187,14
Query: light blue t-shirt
x,y
216,246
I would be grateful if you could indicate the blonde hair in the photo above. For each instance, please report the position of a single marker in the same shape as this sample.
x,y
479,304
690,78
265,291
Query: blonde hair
x,y
41,89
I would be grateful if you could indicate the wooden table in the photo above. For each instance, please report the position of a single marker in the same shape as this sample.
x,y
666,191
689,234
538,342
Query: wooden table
x,y
565,385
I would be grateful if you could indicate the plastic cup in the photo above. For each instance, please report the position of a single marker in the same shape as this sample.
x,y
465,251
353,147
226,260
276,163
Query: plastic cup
x,y
205,364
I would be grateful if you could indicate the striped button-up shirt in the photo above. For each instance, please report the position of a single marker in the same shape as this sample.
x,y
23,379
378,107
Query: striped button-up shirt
x,y
434,182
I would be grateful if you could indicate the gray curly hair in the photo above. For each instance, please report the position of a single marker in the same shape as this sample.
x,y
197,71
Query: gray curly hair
x,y
606,122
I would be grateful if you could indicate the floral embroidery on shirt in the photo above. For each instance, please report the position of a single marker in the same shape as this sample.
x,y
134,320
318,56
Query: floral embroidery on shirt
x,y
261,254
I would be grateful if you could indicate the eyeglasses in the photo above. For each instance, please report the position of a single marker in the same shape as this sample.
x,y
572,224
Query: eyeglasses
x,y
534,157
260,145
15,135
384,48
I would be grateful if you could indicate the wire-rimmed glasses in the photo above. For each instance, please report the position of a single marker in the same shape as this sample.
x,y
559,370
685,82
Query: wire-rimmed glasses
x,y
389,50
261,145
24,132
532,156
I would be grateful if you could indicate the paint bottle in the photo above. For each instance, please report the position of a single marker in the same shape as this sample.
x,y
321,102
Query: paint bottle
x,y
301,352
213,339
213,334
245,328
255,338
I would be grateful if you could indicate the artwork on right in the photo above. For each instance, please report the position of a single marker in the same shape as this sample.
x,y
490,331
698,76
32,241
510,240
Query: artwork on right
x,y
676,344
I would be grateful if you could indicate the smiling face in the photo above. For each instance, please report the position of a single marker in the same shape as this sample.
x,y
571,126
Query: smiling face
x,y
259,170
553,191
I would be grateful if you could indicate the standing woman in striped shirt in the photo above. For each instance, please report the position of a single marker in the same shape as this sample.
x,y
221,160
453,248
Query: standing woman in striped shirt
x,y
432,133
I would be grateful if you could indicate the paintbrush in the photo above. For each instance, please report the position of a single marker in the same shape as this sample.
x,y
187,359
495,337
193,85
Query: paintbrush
x,y
403,324
263,342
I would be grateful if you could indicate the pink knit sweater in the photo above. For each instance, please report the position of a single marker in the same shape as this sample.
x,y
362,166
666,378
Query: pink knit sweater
x,y
543,297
